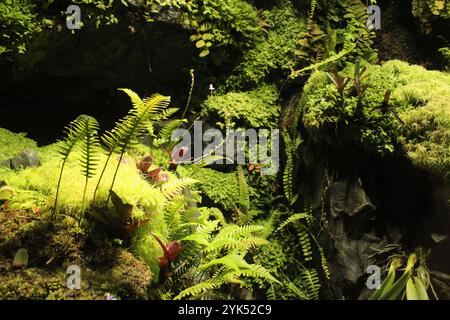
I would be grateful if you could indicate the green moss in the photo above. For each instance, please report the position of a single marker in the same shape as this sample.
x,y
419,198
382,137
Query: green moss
x,y
130,185
420,97
256,109
13,143
105,268
275,52
221,188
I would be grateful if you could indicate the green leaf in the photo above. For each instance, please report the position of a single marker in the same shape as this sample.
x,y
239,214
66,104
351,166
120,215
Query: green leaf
x,y
20,259
204,53
207,36
6,193
200,44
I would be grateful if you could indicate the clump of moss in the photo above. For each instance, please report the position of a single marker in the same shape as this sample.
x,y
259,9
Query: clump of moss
x,y
256,109
13,143
219,187
105,267
421,99
131,186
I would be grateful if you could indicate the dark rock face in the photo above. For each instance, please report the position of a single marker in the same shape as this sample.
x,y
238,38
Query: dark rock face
x,y
367,203
28,158
348,197
71,74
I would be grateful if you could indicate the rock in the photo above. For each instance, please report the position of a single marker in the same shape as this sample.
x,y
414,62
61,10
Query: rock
x,y
28,158
349,198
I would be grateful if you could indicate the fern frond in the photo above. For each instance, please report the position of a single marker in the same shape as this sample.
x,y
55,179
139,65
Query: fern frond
x,y
232,261
291,219
324,262
173,187
305,243
235,244
255,271
331,59
296,290
233,231
129,129
166,131
290,150
75,132
89,147
312,9
199,288
310,283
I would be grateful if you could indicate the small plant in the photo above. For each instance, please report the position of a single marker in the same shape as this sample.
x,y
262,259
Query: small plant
x,y
128,130
83,129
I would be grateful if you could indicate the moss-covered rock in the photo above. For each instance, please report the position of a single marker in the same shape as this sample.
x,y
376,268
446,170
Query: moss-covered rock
x,y
104,267
420,98
219,187
252,109
12,144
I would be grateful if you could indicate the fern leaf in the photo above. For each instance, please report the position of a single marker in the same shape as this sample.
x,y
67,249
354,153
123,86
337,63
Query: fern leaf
x,y
75,131
296,290
310,283
129,129
327,61
174,186
89,147
291,219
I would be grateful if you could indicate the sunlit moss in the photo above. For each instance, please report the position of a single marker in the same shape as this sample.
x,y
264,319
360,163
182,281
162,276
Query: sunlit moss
x,y
420,97
12,143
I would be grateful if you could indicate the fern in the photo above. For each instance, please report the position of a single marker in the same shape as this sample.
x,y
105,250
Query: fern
x,y
296,290
166,131
310,283
291,219
75,132
127,130
290,150
346,50
305,243
173,187
89,154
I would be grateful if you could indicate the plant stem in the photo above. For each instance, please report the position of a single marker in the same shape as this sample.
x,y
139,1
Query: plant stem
x,y
190,93
114,177
101,176
83,201
57,190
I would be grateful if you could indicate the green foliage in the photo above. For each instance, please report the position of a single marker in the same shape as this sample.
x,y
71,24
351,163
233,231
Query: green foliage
x,y
256,109
124,136
216,23
221,188
445,52
275,53
18,25
291,147
428,10
244,197
418,97
81,130
231,243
